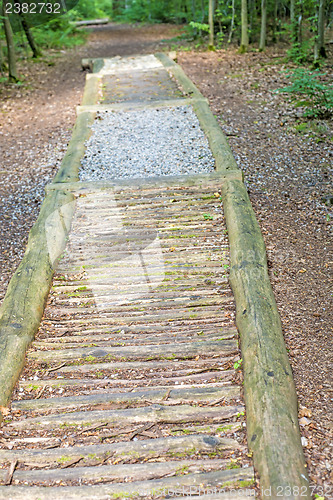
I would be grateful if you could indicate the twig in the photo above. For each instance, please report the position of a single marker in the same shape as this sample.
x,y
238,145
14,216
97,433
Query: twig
x,y
216,402
166,395
71,462
149,402
144,428
54,369
38,465
62,334
93,428
40,392
108,436
10,472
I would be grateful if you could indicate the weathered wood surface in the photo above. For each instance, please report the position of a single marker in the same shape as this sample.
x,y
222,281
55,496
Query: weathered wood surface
x,y
193,395
270,396
157,325
70,164
144,450
110,473
151,488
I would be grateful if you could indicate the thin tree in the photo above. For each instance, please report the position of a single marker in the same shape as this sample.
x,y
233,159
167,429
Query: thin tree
x,y
35,49
193,8
319,48
275,20
12,71
3,66
263,30
232,24
202,11
292,11
211,23
244,28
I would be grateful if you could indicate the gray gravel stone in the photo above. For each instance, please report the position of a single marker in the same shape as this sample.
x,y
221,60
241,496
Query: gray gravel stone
x,y
145,143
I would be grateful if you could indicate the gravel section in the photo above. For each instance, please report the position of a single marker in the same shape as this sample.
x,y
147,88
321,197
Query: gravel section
x,y
22,190
146,143
117,64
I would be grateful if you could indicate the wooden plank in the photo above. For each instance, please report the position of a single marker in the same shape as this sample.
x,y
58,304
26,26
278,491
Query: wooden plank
x,y
155,413
191,482
123,339
150,351
142,450
172,364
224,377
176,395
111,473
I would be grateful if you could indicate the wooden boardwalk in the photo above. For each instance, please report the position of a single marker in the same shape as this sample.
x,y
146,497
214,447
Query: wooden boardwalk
x,y
132,387
131,377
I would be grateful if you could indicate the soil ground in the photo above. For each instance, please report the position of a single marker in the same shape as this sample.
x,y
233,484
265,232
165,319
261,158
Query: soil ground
x,y
287,163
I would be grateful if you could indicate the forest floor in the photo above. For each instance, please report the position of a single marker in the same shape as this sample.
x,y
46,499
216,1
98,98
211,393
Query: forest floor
x,y
286,159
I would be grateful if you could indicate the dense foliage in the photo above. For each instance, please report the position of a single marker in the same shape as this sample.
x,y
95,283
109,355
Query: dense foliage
x,y
301,24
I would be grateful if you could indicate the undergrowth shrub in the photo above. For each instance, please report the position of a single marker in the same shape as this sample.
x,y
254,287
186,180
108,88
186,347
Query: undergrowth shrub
x,y
309,91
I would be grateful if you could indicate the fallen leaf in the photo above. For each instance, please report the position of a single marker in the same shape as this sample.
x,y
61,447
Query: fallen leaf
x,y
304,412
304,421
4,410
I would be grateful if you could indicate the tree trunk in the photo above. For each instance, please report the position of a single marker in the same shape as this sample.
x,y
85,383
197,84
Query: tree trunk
x,y
35,50
252,14
12,71
262,43
320,43
211,23
292,11
202,11
232,21
3,66
244,33
300,29
193,6
275,16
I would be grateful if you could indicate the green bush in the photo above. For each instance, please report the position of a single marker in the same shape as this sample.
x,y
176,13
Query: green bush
x,y
58,33
91,9
309,91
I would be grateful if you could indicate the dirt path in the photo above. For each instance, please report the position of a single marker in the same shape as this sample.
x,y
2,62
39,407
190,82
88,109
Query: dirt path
x,y
287,175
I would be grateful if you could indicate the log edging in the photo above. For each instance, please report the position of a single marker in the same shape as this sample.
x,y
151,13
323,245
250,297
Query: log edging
x,y
28,289
270,395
